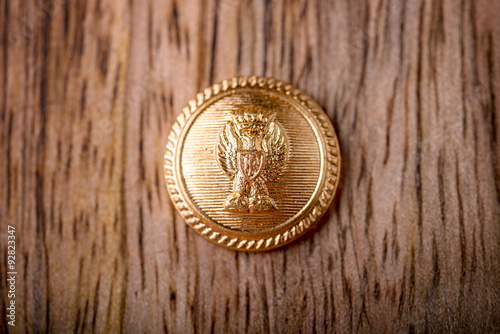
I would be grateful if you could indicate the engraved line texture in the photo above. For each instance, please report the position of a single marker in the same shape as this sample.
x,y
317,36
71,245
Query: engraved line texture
x,y
208,186
315,211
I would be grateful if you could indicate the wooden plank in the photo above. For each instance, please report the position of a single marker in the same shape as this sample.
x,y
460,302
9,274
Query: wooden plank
x,y
63,83
90,89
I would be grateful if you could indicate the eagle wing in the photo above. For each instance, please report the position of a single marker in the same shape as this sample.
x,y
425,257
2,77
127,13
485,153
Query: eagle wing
x,y
226,151
275,144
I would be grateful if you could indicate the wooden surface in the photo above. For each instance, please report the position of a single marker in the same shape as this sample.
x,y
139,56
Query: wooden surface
x,y
89,90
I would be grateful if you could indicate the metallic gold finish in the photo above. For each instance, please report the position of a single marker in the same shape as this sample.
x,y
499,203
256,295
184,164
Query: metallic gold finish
x,y
252,163
251,149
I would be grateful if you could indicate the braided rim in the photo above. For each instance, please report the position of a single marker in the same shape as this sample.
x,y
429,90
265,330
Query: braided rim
x,y
331,169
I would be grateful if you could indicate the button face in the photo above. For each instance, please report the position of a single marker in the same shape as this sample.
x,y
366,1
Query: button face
x,y
252,163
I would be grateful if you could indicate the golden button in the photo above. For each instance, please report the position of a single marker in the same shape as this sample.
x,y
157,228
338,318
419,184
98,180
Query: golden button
x,y
252,163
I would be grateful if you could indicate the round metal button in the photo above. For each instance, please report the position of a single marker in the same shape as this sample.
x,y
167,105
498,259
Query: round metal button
x,y
252,163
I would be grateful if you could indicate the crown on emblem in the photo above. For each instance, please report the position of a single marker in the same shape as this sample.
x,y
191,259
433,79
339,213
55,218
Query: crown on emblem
x,y
252,119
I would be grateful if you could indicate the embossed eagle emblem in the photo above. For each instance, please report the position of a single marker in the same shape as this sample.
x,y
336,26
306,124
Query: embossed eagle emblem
x,y
251,149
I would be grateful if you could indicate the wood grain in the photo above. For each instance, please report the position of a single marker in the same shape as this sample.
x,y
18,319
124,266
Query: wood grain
x,y
89,90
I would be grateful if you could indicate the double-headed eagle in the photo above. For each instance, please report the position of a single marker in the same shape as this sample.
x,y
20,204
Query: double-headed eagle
x,y
251,149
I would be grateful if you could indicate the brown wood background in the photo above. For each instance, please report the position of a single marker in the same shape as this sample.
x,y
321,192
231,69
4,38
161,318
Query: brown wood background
x,y
89,89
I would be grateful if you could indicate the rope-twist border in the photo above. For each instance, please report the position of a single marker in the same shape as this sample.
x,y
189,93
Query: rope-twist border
x,y
332,165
